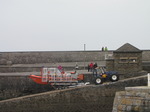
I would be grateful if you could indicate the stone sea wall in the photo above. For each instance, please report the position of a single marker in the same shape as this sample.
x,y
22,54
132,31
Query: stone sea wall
x,y
8,58
92,98
50,57
15,86
33,61
133,99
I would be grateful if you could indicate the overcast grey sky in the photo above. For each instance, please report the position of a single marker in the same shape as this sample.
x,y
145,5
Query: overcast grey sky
x,y
66,25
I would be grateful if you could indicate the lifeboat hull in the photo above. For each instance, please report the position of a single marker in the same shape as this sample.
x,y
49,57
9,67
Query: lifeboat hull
x,y
37,79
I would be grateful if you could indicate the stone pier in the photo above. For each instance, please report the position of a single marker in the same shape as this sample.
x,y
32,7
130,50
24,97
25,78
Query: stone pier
x,y
133,99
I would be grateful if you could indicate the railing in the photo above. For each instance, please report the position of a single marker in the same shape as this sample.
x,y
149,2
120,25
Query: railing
x,y
53,75
44,74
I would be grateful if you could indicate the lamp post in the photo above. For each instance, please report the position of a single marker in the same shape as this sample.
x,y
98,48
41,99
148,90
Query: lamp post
x,y
84,55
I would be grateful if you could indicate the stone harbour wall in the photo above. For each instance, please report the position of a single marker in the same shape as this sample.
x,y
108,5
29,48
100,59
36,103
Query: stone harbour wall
x,y
8,58
33,61
16,86
133,99
90,98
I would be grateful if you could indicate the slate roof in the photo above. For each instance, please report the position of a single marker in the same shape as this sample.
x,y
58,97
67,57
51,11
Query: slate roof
x,y
128,48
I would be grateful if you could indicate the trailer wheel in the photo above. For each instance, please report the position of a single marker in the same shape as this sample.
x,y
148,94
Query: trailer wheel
x,y
98,81
114,78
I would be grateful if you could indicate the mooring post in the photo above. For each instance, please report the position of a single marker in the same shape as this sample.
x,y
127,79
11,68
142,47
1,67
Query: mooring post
x,y
148,75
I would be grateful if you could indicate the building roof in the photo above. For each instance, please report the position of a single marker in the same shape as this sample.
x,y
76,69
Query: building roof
x,y
128,48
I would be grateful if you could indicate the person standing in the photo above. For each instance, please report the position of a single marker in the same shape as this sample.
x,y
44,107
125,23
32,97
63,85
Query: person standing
x,y
95,69
91,66
95,65
76,66
60,68
106,49
88,67
102,48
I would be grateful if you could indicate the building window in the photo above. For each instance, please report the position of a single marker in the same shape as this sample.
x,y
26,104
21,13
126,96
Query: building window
x,y
123,60
109,56
128,60
132,59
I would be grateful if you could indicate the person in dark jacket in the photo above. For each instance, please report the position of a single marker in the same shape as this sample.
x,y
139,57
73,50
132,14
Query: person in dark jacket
x,y
88,67
95,69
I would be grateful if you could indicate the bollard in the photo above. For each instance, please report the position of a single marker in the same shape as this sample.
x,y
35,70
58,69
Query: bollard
x,y
148,79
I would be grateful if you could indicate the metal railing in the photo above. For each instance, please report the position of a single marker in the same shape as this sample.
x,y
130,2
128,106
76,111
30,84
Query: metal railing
x,y
54,76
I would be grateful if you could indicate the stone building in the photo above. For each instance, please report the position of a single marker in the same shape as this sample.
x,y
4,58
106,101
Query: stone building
x,y
126,59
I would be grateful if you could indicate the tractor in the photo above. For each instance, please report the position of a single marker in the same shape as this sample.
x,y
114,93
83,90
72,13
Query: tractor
x,y
55,78
101,75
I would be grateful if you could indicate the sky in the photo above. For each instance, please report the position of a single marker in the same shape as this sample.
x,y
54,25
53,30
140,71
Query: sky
x,y
68,25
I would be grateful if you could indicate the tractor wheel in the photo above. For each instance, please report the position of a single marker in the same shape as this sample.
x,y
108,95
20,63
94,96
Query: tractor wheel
x,y
98,81
114,78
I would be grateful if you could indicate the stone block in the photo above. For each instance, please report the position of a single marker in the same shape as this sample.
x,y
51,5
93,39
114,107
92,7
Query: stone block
x,y
136,109
126,101
121,107
129,108
9,63
145,102
140,94
123,101
129,101
130,93
3,61
137,102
